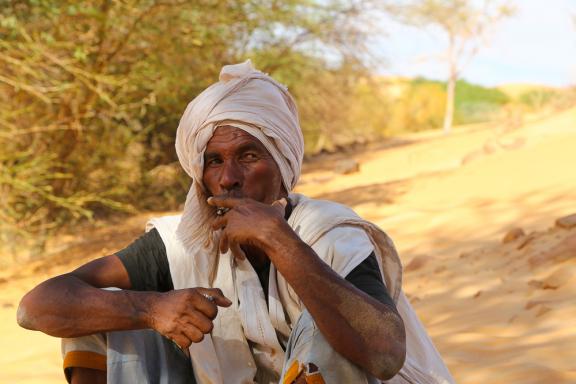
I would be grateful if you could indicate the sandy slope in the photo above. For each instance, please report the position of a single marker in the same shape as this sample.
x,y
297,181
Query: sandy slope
x,y
447,203
498,313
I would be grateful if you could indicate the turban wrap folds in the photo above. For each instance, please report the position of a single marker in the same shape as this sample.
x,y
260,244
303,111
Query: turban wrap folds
x,y
246,99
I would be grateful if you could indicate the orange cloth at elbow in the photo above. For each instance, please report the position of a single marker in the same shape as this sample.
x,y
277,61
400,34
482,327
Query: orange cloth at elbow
x,y
85,359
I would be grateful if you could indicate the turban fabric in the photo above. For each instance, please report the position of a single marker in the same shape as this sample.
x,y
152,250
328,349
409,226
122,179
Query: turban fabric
x,y
246,99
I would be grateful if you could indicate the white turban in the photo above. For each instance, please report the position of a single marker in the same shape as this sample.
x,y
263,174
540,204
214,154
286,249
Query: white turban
x,y
246,99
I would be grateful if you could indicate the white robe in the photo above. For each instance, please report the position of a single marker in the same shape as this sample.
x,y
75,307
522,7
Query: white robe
x,y
342,240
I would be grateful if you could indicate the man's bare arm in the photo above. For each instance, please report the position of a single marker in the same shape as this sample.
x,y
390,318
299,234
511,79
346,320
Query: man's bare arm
x,y
73,305
359,327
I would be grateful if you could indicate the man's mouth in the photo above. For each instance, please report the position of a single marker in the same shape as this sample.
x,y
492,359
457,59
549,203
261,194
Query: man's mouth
x,y
231,194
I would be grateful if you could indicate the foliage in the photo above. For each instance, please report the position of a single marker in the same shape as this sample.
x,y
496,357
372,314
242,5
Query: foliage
x,y
419,107
333,104
92,92
474,103
539,98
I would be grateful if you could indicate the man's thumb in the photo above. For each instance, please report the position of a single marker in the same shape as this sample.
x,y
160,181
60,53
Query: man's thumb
x,y
216,296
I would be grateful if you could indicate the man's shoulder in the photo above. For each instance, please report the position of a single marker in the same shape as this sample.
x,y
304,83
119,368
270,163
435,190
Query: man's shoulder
x,y
167,227
167,223
333,217
320,209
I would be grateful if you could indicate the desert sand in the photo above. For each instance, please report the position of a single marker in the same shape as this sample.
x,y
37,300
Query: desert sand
x,y
489,270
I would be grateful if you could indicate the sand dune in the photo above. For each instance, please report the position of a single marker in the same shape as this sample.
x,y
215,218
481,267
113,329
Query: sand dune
x,y
499,312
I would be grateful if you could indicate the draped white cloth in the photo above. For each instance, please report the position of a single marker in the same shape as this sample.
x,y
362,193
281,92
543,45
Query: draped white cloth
x,y
254,102
244,343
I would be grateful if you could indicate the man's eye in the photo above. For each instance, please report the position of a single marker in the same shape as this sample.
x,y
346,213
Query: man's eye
x,y
212,162
250,156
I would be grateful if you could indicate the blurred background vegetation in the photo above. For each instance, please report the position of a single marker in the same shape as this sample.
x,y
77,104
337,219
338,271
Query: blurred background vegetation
x,y
91,93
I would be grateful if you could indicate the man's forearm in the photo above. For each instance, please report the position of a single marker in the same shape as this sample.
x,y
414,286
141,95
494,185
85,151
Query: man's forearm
x,y
359,327
66,306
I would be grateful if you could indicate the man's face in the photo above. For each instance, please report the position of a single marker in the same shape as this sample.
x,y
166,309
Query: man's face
x,y
236,164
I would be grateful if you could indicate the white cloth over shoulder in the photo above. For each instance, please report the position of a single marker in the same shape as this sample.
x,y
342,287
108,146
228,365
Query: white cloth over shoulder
x,y
244,342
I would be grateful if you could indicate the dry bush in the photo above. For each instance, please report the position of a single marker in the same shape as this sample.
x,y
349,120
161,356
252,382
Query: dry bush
x,y
91,93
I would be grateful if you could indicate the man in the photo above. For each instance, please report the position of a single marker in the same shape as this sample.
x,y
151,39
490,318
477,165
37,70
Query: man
x,y
251,283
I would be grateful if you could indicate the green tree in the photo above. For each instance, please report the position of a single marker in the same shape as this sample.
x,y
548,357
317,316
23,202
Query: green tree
x,y
465,25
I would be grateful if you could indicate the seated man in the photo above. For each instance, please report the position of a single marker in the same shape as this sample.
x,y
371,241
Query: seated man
x,y
251,283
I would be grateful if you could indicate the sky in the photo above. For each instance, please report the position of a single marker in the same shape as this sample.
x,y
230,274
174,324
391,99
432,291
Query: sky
x,y
537,46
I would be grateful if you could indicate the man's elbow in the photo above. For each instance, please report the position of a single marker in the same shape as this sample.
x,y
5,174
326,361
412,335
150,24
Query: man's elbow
x,y
388,364
390,353
36,309
23,315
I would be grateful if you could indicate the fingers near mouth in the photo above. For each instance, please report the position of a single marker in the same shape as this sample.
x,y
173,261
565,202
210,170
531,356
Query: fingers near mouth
x,y
221,211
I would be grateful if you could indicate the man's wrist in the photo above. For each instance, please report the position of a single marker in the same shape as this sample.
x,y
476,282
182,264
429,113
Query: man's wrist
x,y
284,246
143,308
276,237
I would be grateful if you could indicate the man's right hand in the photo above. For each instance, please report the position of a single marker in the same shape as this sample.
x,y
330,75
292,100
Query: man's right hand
x,y
73,305
185,315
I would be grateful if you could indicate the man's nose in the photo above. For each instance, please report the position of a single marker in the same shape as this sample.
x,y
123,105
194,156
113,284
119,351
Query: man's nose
x,y
231,176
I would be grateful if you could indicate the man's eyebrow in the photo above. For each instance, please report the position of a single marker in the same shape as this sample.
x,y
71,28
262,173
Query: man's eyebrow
x,y
247,146
251,145
210,155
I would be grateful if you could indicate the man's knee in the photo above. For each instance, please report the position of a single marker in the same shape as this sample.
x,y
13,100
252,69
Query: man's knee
x,y
311,358
79,375
84,353
142,356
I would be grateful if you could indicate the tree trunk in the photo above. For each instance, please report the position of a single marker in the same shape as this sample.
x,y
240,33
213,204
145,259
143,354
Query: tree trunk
x,y
449,114
451,86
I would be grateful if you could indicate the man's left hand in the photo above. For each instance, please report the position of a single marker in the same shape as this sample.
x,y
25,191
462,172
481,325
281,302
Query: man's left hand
x,y
248,222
